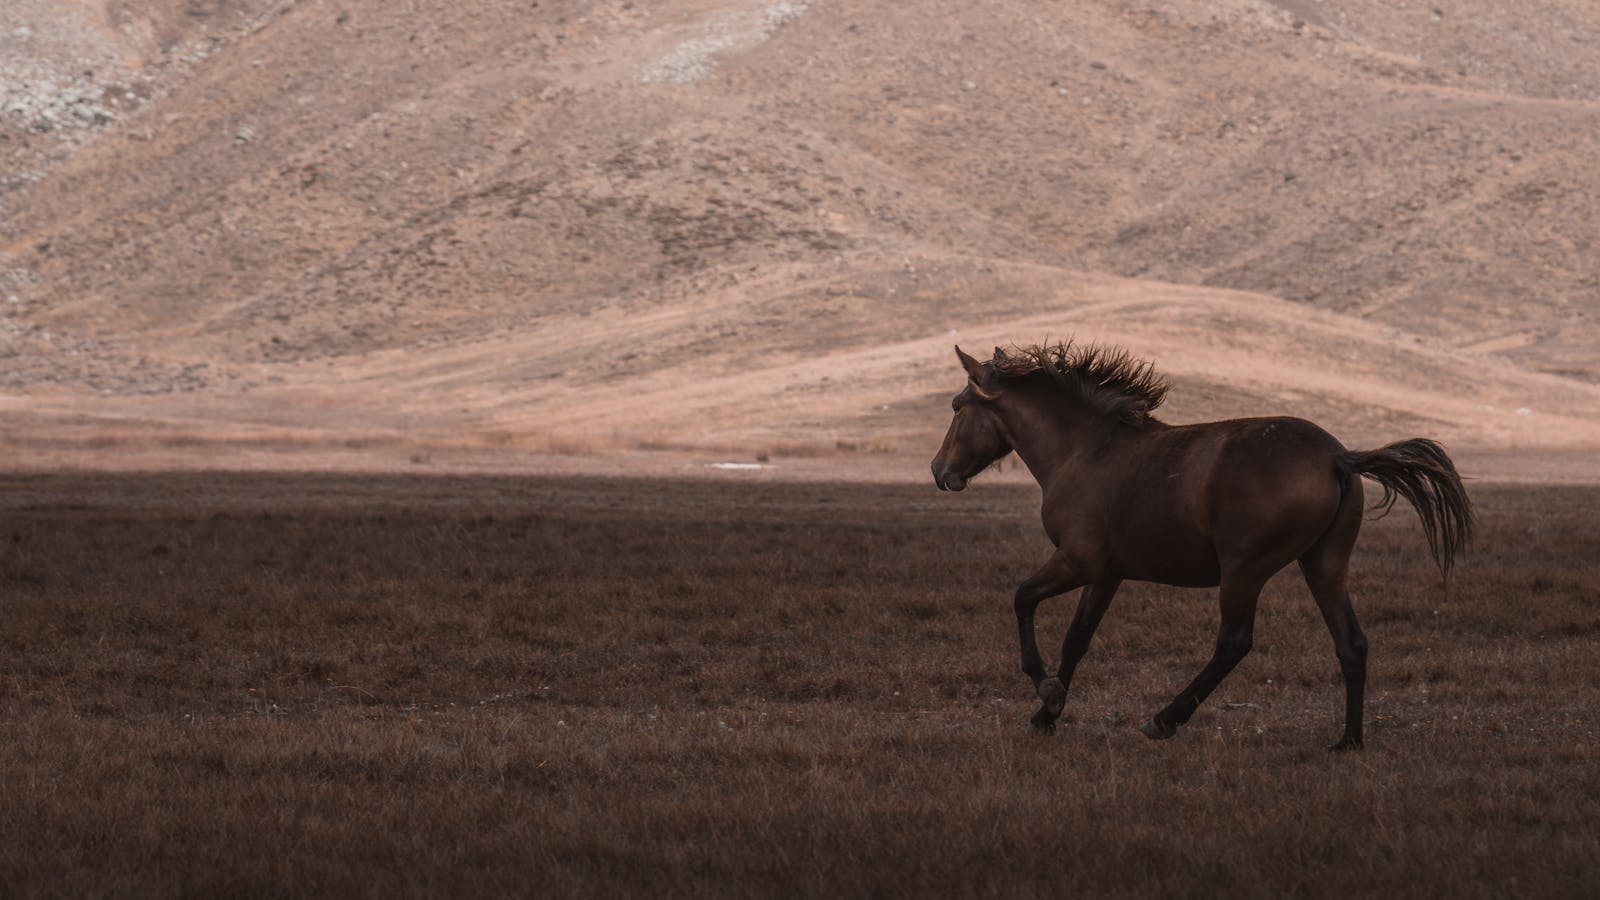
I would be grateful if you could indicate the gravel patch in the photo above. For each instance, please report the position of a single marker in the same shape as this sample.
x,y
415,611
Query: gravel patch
x,y
695,58
57,72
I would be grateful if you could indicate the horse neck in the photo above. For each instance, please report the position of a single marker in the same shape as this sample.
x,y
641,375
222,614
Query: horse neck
x,y
1047,434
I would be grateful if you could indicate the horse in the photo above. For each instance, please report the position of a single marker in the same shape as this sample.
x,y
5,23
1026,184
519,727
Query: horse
x,y
1222,504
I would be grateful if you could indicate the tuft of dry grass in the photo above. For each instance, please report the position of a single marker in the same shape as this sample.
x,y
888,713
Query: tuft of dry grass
x,y
302,684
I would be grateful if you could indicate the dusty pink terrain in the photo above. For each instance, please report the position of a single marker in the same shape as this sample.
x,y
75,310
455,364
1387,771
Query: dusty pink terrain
x,y
649,236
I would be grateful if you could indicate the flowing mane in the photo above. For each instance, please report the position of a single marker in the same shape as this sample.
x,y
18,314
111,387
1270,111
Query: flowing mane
x,y
1109,379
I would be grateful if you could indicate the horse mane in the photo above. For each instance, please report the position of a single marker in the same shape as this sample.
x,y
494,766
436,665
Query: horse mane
x,y
1110,380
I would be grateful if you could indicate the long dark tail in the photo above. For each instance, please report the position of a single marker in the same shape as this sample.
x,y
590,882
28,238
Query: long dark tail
x,y
1420,471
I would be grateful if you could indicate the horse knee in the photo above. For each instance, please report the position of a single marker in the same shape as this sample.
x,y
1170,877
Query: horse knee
x,y
1358,645
1234,647
1353,653
1025,602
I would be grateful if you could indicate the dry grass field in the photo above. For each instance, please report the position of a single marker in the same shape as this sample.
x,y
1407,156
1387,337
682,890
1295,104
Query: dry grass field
x,y
251,685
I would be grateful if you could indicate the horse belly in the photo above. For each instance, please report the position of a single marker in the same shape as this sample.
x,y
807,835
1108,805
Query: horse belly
x,y
1184,563
1161,533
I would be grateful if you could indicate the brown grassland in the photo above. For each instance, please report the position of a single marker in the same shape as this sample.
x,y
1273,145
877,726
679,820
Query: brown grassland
x,y
252,685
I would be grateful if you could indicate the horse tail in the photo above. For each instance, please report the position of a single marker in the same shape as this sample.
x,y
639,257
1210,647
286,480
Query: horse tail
x,y
1420,471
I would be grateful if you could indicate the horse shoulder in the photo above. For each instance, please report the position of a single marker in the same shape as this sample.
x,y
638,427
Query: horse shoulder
x,y
1076,514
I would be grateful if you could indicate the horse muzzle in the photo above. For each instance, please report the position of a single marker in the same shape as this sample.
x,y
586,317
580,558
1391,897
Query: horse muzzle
x,y
948,480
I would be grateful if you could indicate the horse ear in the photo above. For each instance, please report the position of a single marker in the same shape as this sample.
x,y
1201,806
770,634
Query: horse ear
x,y
973,367
977,375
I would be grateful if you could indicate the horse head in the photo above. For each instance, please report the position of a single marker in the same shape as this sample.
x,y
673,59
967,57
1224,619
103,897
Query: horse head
x,y
977,435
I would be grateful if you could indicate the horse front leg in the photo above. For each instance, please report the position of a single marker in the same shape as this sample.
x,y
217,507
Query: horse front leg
x,y
1092,608
1056,577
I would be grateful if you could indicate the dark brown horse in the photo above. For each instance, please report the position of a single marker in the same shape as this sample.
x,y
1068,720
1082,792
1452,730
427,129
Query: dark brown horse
x,y
1221,503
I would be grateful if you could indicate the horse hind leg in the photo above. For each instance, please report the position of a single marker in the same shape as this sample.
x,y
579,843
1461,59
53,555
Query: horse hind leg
x,y
1234,639
1350,645
1326,567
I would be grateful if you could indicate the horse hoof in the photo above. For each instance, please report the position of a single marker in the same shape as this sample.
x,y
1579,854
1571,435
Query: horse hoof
x,y
1054,695
1157,730
1346,744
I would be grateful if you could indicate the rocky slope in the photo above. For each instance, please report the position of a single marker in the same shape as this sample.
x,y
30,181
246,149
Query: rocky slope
x,y
755,226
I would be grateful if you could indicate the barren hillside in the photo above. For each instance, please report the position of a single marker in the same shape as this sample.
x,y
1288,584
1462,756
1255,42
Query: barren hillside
x,y
393,230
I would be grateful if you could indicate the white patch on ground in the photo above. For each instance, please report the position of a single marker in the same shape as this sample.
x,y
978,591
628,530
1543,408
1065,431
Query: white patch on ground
x,y
60,77
734,465
66,78
54,69
695,58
